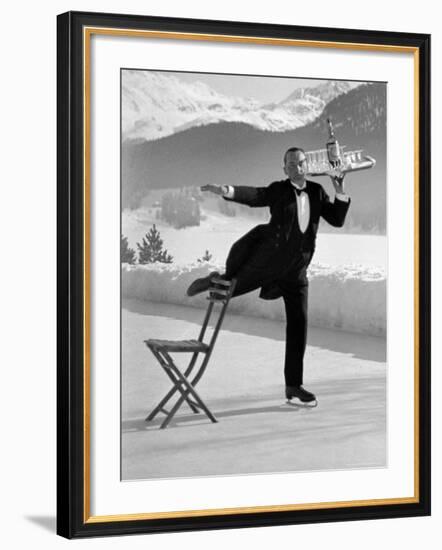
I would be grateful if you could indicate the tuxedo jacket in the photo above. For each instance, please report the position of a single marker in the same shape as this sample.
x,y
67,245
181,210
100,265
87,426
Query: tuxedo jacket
x,y
280,246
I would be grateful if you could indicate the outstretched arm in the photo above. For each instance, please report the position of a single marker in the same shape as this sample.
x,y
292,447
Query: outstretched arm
x,y
250,196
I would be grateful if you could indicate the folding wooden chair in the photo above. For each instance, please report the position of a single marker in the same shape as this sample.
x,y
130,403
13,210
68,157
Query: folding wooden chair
x,y
184,382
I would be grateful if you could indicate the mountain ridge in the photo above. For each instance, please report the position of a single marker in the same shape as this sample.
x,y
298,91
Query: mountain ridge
x,y
156,105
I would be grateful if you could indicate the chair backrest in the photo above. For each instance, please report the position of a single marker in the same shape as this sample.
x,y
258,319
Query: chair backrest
x,y
219,293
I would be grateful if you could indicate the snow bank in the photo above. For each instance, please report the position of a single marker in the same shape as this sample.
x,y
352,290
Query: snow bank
x,y
350,298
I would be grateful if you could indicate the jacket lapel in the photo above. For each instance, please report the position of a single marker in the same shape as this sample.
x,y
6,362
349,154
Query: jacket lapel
x,y
313,200
290,210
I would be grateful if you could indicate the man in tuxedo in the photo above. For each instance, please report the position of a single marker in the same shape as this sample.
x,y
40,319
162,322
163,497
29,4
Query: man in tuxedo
x,y
275,256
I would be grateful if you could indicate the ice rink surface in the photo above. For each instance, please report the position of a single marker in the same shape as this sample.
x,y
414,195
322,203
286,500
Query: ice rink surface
x,y
257,432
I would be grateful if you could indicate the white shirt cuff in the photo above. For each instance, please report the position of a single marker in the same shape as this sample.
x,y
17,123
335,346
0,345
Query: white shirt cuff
x,y
229,193
342,197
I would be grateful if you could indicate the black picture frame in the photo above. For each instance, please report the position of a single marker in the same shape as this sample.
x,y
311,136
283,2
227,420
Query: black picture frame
x,y
73,516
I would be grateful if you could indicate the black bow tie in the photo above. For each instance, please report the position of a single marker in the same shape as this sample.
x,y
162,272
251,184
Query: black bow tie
x,y
299,191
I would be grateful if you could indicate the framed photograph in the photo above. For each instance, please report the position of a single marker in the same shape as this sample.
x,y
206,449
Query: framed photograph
x,y
243,274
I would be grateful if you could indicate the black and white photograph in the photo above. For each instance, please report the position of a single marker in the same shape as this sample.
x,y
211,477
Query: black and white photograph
x,y
254,250
222,254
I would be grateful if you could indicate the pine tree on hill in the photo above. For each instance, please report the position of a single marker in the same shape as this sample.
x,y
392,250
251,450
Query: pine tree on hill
x,y
206,258
127,254
151,249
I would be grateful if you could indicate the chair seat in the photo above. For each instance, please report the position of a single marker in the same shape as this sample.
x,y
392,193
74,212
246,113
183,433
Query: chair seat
x,y
178,345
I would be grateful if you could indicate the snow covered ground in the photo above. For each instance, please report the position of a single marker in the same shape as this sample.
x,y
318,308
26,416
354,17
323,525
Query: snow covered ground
x,y
347,298
243,386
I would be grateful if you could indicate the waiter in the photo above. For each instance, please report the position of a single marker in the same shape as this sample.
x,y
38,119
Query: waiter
x,y
275,256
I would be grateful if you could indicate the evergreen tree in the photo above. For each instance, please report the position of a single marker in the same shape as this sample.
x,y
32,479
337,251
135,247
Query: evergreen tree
x,y
127,254
206,258
151,249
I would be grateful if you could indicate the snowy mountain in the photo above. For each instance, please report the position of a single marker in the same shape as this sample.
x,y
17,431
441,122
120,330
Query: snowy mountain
x,y
156,105
324,92
239,154
360,113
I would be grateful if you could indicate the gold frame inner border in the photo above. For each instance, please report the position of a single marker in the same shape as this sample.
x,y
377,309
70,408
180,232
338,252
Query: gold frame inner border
x,y
88,32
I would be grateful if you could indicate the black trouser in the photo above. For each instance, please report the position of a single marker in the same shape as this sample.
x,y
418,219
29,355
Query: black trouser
x,y
251,270
296,303
295,296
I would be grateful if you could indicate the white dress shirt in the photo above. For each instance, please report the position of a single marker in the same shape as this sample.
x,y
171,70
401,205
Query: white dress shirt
x,y
303,207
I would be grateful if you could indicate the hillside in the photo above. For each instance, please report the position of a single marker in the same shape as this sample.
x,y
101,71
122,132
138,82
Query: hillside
x,y
238,154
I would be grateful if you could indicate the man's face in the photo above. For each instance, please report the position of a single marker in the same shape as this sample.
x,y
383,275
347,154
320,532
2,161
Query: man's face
x,y
295,166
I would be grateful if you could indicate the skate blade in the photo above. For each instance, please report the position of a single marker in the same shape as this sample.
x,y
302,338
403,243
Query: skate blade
x,y
301,404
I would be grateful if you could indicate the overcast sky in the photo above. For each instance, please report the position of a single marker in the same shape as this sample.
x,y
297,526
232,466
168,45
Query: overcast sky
x,y
263,89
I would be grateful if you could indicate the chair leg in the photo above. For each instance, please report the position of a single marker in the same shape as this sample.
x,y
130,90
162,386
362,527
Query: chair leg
x,y
181,380
177,406
181,385
163,402
172,391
